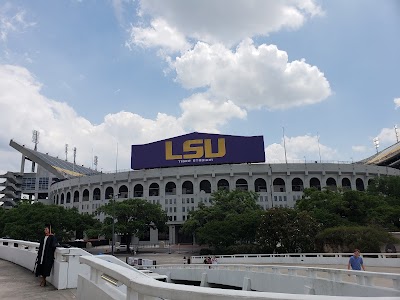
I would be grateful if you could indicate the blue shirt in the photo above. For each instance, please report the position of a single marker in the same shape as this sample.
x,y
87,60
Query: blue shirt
x,y
356,262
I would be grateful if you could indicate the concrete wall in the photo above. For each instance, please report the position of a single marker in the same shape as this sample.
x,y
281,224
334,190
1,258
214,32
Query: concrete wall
x,y
64,274
370,259
106,277
281,279
178,204
110,279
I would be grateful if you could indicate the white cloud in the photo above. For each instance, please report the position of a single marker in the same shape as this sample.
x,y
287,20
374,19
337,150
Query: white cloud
x,y
359,148
387,137
251,76
275,153
230,21
24,108
8,160
12,21
396,103
159,35
205,115
118,10
300,149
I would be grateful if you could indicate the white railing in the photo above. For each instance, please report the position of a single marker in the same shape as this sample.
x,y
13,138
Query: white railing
x,y
370,259
66,266
108,281
22,253
105,277
384,282
64,274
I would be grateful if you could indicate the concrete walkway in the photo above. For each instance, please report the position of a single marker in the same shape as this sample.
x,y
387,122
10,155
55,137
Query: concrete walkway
x,y
18,283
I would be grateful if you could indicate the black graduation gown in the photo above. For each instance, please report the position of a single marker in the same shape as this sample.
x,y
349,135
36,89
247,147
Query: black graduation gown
x,y
44,268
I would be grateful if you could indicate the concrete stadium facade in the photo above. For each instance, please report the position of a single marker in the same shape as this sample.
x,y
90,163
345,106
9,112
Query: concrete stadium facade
x,y
181,189
182,172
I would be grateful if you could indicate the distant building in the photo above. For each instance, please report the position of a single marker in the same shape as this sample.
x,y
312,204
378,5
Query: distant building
x,y
180,189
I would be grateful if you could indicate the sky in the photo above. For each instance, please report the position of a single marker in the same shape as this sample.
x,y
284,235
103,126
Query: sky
x,y
318,77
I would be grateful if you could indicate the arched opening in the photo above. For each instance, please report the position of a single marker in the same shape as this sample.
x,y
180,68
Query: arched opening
x,y
346,184
187,187
297,185
57,200
223,184
360,185
315,183
331,184
123,191
279,185
260,185
154,189
109,194
85,195
241,184
96,194
138,190
170,188
205,186
68,197
62,198
76,196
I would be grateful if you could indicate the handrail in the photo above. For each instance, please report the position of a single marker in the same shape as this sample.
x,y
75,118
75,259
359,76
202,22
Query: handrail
x,y
142,287
383,255
370,259
66,266
20,242
363,277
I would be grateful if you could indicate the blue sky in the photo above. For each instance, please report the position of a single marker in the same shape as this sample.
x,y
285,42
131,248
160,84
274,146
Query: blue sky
x,y
95,74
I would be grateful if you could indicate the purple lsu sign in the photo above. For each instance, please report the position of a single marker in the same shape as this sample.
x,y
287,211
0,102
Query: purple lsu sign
x,y
198,149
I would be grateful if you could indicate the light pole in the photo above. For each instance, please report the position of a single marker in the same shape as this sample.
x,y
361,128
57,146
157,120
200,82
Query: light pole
x,y
112,198
376,143
319,149
397,134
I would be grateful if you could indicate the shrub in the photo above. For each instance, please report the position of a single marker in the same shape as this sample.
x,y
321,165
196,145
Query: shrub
x,y
242,249
346,239
205,251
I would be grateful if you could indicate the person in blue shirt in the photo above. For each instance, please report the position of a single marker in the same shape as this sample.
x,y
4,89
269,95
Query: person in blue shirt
x,y
356,261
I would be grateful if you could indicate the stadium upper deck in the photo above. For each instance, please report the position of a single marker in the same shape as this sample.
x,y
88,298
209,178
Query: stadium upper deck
x,y
60,168
389,157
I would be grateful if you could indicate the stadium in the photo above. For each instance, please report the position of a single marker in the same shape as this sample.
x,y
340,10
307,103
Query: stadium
x,y
181,172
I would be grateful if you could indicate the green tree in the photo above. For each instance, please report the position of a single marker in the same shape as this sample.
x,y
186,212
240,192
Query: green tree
x,y
386,186
26,221
346,239
327,207
286,230
93,233
2,224
232,219
133,217
379,206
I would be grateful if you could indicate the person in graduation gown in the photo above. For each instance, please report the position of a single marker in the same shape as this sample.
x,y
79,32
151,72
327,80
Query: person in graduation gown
x,y
45,258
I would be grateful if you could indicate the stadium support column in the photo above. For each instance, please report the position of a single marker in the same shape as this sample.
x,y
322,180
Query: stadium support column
x,y
22,164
